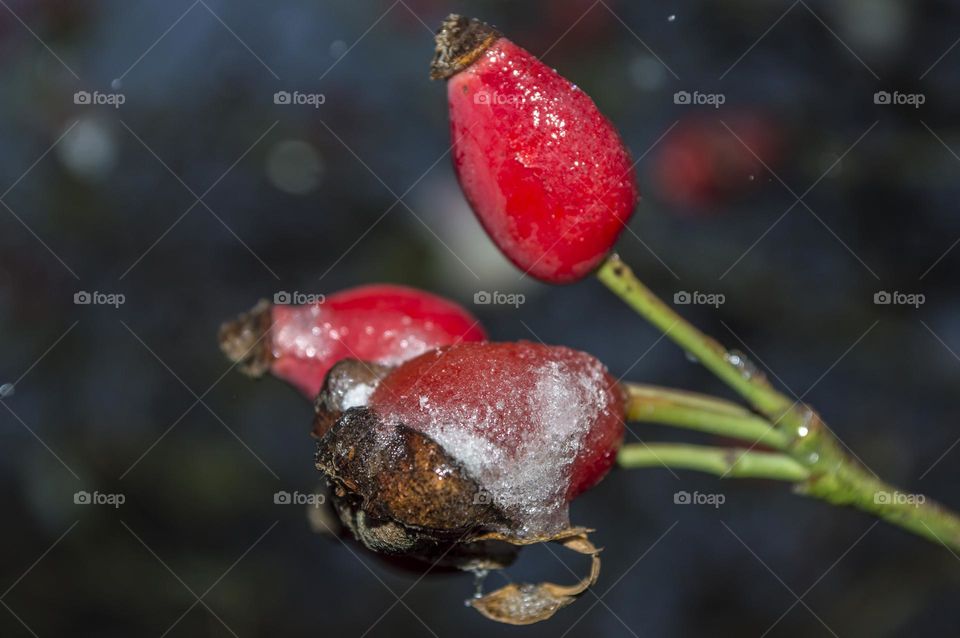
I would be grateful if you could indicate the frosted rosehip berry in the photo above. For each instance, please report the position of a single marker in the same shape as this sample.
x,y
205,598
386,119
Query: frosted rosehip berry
x,y
465,439
379,323
546,173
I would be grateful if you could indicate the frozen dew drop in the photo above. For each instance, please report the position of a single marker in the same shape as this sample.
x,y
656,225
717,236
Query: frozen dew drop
x,y
479,576
116,84
6,390
672,17
746,367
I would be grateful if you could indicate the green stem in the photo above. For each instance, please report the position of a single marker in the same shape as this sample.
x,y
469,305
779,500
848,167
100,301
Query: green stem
x,y
723,462
791,426
699,412
838,479
731,369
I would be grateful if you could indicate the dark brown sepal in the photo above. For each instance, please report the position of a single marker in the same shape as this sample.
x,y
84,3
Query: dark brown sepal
x,y
245,340
460,41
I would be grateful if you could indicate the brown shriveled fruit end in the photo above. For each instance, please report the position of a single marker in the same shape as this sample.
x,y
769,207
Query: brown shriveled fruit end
x,y
397,489
244,340
460,41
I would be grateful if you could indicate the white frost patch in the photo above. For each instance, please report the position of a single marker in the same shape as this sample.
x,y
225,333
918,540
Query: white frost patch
x,y
357,396
304,332
527,472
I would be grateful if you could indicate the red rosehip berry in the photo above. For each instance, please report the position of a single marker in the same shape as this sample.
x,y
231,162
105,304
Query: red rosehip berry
x,y
546,173
701,164
528,427
380,323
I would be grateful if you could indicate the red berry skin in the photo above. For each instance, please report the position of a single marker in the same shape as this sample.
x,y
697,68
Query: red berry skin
x,y
546,173
378,323
513,398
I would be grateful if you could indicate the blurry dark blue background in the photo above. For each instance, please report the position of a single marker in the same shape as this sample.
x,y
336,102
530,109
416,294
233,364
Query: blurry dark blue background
x,y
297,198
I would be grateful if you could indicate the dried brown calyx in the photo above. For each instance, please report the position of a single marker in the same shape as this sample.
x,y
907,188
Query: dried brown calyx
x,y
244,340
348,384
400,493
460,41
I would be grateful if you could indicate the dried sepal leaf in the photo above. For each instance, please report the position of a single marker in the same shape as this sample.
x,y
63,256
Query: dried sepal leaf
x,y
525,603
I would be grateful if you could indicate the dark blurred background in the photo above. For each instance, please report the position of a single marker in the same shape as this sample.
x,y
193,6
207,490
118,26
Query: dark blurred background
x,y
799,198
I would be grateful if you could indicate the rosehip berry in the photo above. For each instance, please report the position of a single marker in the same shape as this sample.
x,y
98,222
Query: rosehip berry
x,y
703,164
471,437
380,323
546,173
